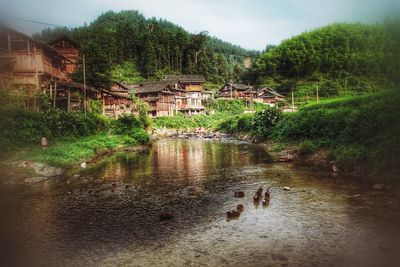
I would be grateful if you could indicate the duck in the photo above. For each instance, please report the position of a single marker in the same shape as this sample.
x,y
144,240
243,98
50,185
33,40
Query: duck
x,y
265,202
259,191
232,214
240,207
239,194
256,198
267,194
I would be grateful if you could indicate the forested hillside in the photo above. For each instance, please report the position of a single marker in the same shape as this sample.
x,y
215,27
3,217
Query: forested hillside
x,y
340,58
127,46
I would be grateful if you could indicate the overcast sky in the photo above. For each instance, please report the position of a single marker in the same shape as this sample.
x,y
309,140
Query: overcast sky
x,y
251,24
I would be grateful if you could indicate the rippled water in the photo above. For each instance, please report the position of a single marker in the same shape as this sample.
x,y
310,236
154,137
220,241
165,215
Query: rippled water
x,y
110,215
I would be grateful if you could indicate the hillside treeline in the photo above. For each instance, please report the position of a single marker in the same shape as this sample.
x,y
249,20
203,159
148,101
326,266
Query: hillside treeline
x,y
128,46
341,58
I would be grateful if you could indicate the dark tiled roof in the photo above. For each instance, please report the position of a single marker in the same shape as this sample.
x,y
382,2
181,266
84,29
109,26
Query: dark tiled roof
x,y
116,94
185,78
236,86
66,38
267,90
153,87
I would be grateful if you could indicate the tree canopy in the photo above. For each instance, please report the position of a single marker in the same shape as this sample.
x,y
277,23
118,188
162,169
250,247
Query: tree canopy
x,y
154,46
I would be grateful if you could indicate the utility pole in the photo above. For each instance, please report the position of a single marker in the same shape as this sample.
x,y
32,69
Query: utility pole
x,y
84,83
317,94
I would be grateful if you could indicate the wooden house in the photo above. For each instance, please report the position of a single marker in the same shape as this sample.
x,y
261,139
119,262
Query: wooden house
x,y
32,64
117,104
189,102
161,96
235,91
68,48
190,83
269,96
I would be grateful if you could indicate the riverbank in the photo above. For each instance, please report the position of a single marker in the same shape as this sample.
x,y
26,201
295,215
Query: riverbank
x,y
34,164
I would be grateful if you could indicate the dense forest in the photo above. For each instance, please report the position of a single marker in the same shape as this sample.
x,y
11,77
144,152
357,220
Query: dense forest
x,y
339,59
343,58
127,46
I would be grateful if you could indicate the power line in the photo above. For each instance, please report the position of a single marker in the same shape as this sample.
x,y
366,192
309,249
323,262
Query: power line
x,y
37,22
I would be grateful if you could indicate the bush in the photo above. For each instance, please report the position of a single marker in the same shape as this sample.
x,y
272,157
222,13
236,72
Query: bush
x,y
19,127
265,120
307,147
140,135
125,124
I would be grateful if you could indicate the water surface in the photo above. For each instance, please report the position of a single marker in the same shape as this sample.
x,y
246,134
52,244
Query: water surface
x,y
110,215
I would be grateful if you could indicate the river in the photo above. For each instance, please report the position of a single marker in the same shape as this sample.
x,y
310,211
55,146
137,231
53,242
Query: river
x,y
109,216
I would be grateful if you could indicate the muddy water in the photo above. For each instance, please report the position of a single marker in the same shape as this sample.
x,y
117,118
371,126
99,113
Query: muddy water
x,y
110,215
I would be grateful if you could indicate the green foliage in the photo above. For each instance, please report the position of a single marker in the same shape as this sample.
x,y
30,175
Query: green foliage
x,y
113,41
306,147
95,106
132,129
143,108
360,130
124,125
126,72
341,59
140,135
19,127
183,122
71,150
232,107
265,120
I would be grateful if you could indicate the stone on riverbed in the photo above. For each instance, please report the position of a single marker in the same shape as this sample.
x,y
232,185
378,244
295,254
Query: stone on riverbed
x,y
378,187
286,188
35,179
166,215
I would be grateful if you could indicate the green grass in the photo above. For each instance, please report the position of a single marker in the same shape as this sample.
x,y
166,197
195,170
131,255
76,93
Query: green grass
x,y
361,132
73,150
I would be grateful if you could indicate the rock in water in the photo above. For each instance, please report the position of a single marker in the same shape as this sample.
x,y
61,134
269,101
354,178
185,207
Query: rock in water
x,y
378,187
83,165
166,216
335,168
286,188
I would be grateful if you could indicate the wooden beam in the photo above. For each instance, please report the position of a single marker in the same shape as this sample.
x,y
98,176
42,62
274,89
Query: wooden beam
x,y
69,100
55,95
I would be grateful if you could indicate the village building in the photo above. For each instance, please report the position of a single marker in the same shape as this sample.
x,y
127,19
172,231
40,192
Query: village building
x,y
68,48
190,102
29,64
235,91
269,96
161,96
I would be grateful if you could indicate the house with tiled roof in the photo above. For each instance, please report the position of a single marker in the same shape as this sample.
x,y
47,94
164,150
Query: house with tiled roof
x,y
161,96
235,91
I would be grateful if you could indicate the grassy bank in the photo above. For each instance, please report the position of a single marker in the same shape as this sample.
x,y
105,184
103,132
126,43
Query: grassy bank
x,y
72,137
360,132
69,151
219,110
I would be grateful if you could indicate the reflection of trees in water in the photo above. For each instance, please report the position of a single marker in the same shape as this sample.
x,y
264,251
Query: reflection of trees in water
x,y
185,160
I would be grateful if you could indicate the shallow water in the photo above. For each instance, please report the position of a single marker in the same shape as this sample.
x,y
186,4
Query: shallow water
x,y
110,215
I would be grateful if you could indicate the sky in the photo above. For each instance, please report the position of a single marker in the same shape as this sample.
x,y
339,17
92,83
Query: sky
x,y
251,24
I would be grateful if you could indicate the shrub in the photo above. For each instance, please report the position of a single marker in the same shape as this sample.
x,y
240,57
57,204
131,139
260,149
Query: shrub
x,y
140,135
265,120
307,147
125,124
